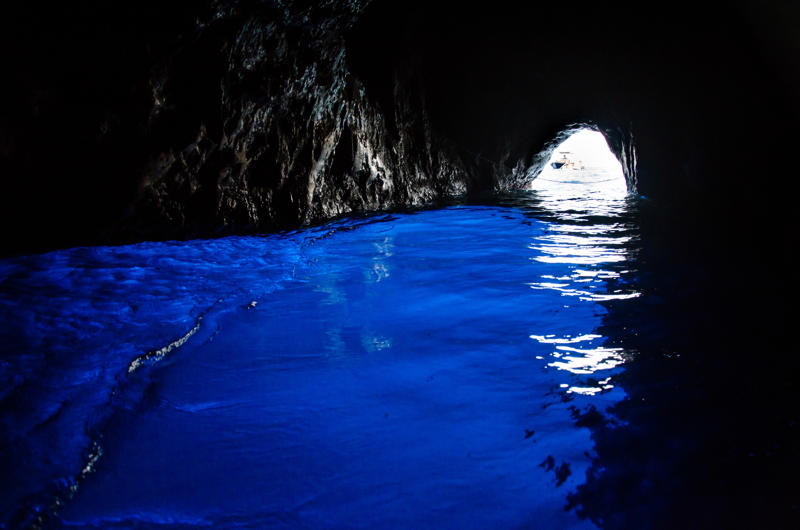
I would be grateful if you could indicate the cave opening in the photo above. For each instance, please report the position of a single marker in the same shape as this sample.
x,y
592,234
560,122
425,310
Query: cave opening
x,y
583,163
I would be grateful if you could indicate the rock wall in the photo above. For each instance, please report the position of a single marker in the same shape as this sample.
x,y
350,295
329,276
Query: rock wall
x,y
249,119
122,123
288,135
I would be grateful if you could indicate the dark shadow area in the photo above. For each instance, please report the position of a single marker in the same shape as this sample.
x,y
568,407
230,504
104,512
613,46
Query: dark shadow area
x,y
707,436
71,120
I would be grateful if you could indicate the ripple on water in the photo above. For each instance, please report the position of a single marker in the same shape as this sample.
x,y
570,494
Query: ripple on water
x,y
413,369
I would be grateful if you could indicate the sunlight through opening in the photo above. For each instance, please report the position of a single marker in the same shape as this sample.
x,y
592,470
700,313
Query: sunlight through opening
x,y
583,163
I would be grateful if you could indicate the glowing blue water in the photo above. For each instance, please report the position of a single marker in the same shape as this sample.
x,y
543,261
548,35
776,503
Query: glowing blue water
x,y
407,370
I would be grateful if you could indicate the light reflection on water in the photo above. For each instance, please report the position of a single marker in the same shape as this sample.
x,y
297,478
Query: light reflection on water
x,y
589,195
417,370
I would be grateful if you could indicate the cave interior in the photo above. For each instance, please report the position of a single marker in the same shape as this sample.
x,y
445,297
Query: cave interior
x,y
122,123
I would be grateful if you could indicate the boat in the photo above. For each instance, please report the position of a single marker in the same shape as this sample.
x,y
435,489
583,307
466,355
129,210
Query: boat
x,y
560,163
565,161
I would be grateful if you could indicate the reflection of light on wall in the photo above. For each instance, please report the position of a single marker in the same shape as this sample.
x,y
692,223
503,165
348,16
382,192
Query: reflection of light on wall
x,y
583,160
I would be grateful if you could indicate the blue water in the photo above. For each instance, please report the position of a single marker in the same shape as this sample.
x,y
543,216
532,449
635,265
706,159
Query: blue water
x,y
417,370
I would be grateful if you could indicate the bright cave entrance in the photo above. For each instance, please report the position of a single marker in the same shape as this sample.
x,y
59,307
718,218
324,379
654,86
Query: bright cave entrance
x,y
583,161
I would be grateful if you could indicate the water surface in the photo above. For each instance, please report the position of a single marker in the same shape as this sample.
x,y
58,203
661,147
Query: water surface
x,y
423,369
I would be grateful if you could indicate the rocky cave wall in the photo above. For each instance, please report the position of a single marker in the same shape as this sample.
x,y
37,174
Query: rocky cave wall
x,y
205,118
295,139
191,119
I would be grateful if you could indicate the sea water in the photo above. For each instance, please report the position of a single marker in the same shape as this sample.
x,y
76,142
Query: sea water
x,y
421,370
